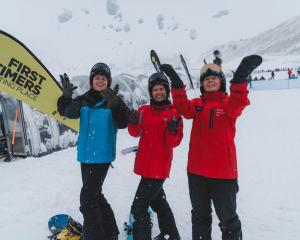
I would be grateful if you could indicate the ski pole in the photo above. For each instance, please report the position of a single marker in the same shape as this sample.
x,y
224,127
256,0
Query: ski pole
x,y
187,73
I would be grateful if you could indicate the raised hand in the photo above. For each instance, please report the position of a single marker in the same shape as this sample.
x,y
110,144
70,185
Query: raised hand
x,y
246,67
68,88
176,82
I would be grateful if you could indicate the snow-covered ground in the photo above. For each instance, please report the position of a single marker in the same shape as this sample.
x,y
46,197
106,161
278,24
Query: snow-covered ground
x,y
268,141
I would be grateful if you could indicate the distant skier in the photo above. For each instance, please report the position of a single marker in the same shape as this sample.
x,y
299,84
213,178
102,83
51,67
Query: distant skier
x,y
298,73
272,75
250,81
290,72
212,164
101,113
159,127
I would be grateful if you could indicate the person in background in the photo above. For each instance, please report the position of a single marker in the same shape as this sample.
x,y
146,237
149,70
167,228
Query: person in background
x,y
290,72
272,75
250,81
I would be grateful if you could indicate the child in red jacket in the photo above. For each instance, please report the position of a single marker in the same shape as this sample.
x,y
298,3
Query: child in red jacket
x,y
212,164
159,127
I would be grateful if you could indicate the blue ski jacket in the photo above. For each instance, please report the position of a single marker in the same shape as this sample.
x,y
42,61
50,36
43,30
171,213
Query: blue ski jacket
x,y
98,126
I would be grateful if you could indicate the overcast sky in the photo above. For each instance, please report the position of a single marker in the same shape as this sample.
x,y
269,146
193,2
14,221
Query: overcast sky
x,y
35,22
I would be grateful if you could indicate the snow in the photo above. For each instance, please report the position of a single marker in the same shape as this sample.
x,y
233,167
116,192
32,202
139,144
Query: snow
x,y
193,34
160,21
34,189
221,14
112,7
65,16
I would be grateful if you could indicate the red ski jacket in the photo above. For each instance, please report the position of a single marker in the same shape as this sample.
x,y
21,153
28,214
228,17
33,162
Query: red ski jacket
x,y
212,150
155,150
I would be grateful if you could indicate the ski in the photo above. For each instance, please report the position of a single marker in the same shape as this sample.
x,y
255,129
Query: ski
x,y
129,150
155,60
187,72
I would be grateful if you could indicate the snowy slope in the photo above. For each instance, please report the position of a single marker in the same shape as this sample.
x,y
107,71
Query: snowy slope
x,y
268,154
282,40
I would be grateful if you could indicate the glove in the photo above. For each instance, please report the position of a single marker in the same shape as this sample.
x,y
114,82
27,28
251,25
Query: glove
x,y
176,82
173,124
111,96
68,88
134,117
246,67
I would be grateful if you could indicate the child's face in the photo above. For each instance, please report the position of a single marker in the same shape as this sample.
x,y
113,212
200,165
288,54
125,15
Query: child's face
x,y
212,83
100,82
159,93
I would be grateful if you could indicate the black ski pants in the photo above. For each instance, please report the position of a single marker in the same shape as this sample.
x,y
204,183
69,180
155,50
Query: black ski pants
x,y
150,193
99,218
222,192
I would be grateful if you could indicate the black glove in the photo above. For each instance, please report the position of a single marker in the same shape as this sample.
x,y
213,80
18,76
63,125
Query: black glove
x,y
173,124
111,96
176,82
134,117
246,67
68,88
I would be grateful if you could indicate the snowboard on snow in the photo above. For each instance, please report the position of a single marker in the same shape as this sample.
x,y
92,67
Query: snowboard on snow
x,y
64,227
128,226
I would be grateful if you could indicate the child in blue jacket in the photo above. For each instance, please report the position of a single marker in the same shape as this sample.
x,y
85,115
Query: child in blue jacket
x,y
101,112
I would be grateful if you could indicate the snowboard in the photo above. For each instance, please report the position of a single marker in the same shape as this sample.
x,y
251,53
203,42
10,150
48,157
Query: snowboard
x,y
128,226
129,150
64,227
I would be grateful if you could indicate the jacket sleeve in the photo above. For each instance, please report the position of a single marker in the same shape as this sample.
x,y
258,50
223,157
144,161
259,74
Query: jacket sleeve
x,y
120,114
238,100
174,139
135,130
180,101
69,108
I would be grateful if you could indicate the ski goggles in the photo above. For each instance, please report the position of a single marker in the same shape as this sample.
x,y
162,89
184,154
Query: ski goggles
x,y
212,67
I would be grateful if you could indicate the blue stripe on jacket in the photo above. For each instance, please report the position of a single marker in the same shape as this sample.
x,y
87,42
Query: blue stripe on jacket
x,y
97,135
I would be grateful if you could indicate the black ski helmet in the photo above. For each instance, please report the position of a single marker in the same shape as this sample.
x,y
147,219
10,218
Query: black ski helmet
x,y
209,70
102,69
158,78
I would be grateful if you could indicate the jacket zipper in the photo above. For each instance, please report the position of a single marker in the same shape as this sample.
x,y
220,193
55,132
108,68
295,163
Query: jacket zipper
x,y
211,117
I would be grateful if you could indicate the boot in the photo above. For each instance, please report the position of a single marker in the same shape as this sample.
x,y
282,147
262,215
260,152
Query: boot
x,y
142,227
